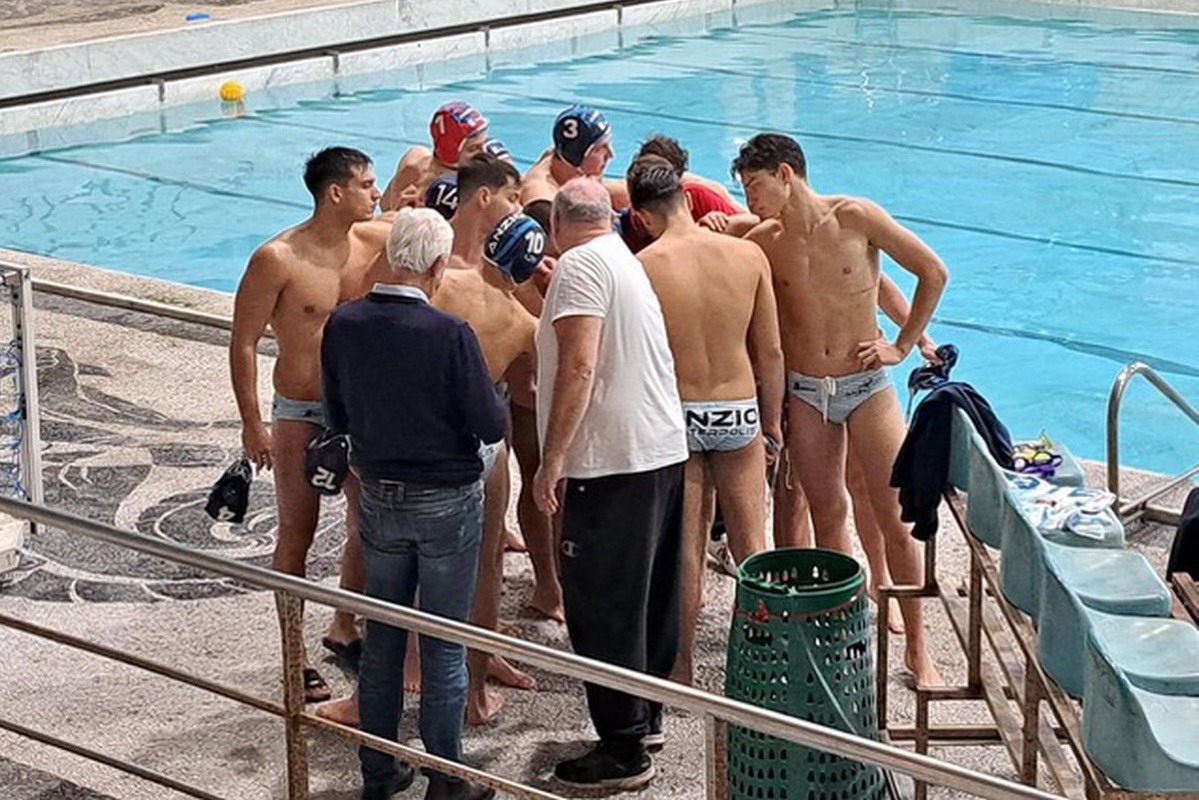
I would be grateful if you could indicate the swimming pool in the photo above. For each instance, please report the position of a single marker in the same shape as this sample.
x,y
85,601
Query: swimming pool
x,y
1050,163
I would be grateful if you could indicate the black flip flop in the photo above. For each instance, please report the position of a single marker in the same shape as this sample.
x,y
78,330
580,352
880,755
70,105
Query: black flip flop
x,y
349,654
315,688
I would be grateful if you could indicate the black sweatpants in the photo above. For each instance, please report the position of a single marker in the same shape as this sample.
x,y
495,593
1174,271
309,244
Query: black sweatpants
x,y
621,558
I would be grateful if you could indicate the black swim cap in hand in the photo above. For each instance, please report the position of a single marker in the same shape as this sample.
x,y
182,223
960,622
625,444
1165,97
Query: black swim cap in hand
x,y
230,495
327,462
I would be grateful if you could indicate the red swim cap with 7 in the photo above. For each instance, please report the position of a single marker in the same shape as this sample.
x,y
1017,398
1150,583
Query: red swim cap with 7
x,y
453,124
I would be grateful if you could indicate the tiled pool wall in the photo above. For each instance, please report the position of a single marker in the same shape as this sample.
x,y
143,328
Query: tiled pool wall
x,y
124,112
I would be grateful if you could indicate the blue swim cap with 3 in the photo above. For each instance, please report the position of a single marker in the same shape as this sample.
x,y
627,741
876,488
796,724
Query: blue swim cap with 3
x,y
516,246
576,130
442,195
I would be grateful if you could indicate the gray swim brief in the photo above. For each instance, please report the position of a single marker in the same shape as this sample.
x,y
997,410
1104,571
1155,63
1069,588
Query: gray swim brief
x,y
489,453
312,411
836,398
721,425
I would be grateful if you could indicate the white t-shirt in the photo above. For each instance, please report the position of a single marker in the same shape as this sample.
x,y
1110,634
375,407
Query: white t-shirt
x,y
633,422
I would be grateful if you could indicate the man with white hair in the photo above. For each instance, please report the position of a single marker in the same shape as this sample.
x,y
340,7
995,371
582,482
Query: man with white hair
x,y
408,383
611,427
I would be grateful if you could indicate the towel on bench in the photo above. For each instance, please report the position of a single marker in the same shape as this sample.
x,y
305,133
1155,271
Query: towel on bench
x,y
921,469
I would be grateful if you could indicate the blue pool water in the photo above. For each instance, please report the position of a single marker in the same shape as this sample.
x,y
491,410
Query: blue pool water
x,y
1052,164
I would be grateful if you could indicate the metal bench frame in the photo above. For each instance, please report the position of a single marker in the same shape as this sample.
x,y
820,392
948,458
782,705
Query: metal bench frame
x,y
1037,723
1187,592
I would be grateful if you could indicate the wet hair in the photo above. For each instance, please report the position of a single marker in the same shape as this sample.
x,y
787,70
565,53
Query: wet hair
x,y
332,165
542,211
482,170
654,184
662,145
767,151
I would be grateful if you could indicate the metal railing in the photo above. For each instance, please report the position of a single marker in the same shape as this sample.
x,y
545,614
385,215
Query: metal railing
x,y
1140,507
129,303
292,591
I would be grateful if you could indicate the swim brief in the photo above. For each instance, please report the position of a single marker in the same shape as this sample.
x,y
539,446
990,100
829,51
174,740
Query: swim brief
x,y
837,398
312,411
721,425
489,453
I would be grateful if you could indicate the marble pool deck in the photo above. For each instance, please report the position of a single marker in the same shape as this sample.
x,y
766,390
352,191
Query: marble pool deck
x,y
33,24
26,25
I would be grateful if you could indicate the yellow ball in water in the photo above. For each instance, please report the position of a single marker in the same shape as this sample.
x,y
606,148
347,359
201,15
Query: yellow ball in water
x,y
232,91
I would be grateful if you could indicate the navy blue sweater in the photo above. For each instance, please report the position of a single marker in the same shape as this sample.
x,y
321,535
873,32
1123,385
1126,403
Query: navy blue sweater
x,y
409,385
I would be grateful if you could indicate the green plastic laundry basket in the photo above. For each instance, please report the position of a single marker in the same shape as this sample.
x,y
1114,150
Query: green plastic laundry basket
x,y
800,645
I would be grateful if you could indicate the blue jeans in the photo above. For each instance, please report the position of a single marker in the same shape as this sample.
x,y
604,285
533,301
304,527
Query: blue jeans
x,y
426,536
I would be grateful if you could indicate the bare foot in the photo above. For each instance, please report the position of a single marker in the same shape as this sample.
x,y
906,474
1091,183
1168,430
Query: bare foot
x,y
343,711
514,542
412,666
923,670
482,706
894,616
505,673
548,604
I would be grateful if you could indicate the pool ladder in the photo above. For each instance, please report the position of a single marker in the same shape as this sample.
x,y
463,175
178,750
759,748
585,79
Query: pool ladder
x,y
1142,507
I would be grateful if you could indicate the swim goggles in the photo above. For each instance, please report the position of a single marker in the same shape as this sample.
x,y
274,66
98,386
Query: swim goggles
x,y
1036,457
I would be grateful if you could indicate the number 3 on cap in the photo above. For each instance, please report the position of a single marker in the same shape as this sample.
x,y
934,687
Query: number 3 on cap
x,y
570,128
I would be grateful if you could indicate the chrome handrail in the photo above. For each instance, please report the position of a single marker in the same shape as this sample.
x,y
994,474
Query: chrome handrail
x,y
138,304
802,732
1114,401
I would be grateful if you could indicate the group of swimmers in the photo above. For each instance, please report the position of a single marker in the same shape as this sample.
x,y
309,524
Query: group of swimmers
x,y
771,314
